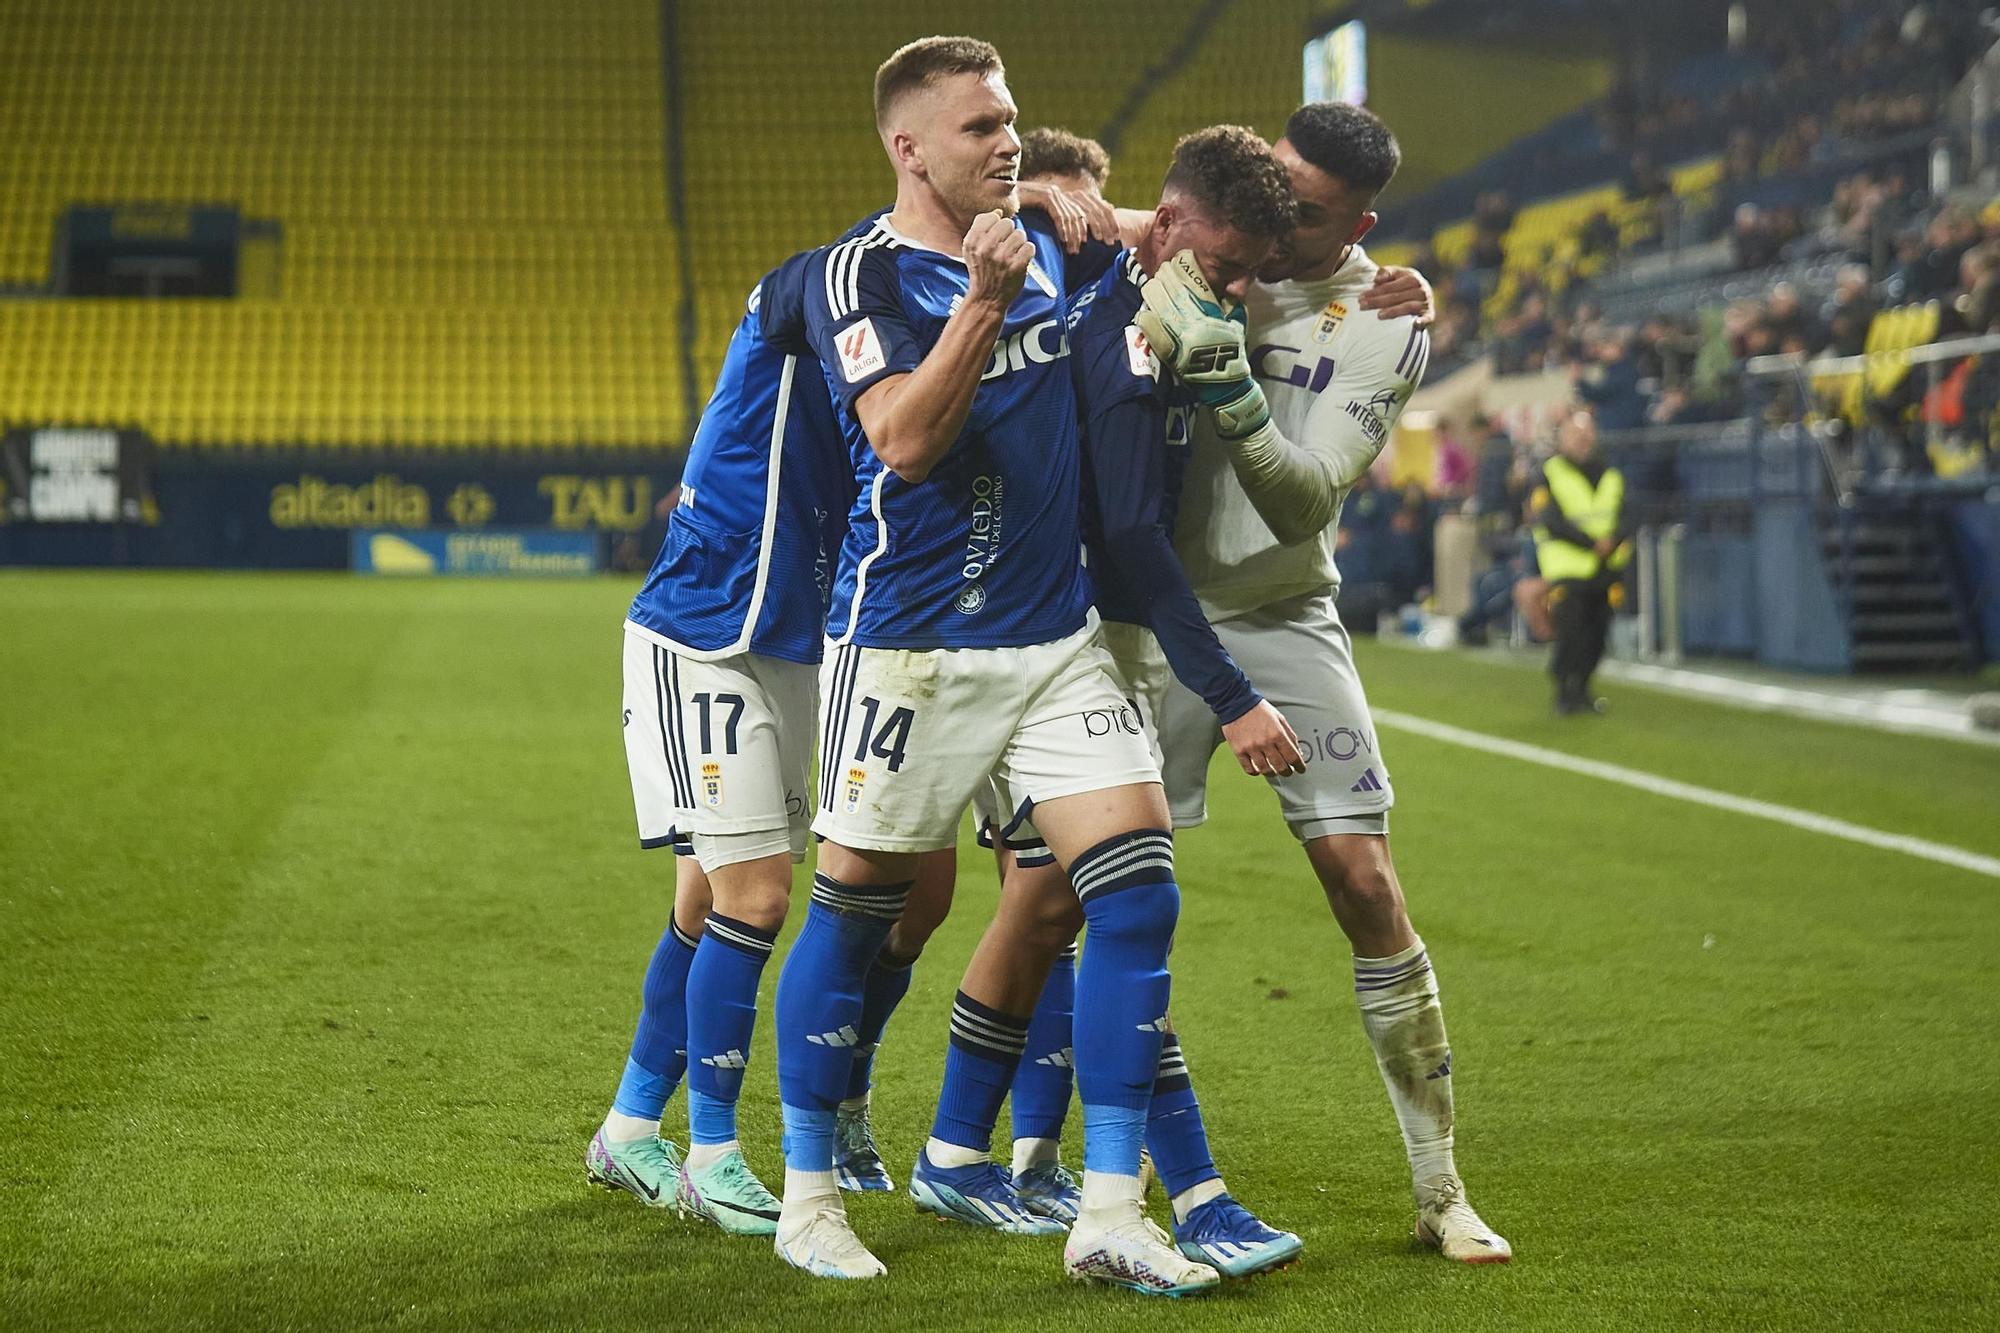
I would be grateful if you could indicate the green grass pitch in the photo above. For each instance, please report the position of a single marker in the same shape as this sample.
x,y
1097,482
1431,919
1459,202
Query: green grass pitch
x,y
323,925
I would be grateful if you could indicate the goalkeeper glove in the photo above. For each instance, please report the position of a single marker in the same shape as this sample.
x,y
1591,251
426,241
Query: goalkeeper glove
x,y
1200,338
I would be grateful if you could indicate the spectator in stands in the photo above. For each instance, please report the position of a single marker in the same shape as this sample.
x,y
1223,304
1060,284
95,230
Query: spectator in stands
x,y
1361,551
1513,584
1787,318
1609,381
1408,549
1452,466
1848,313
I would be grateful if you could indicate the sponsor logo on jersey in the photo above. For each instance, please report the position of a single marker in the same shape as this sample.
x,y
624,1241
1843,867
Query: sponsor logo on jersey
x,y
1139,356
1285,365
711,785
971,601
1329,322
1371,425
860,351
1038,344
982,534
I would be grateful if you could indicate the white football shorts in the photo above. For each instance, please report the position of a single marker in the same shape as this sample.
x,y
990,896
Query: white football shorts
x,y
910,736
1298,656
718,749
1140,673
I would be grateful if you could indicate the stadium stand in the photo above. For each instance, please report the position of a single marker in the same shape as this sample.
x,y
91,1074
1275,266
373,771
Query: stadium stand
x,y
764,180
476,242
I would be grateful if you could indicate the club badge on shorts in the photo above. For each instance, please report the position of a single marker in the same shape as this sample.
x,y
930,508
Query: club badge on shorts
x,y
711,785
856,779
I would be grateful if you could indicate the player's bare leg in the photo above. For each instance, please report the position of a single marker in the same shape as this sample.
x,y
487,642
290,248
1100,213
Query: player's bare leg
x,y
857,1161
748,901
955,1177
1404,1020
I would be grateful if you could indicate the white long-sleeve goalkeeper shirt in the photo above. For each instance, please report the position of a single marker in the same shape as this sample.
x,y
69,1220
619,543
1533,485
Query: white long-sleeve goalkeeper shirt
x,y
1336,377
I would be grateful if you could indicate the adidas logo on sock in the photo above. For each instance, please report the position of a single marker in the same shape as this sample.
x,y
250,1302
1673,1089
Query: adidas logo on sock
x,y
1369,782
1159,1024
727,1060
1442,1071
1062,1059
847,1036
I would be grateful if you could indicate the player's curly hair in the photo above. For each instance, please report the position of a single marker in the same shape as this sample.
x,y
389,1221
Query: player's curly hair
x,y
1049,151
925,61
1349,142
1230,172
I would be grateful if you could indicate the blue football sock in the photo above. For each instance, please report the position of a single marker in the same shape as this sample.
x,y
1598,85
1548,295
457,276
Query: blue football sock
x,y
1174,1132
1040,1094
1130,905
819,1008
659,1047
881,991
722,1013
978,1065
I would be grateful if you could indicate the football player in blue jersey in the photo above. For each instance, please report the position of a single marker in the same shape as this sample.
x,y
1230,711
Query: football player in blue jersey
x,y
721,649
963,651
1225,203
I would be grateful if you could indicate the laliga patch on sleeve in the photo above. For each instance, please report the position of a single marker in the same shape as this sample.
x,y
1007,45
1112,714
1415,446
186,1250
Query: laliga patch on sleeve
x,y
1138,355
860,352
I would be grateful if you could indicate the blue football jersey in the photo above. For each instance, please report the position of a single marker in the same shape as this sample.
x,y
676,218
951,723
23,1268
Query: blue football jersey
x,y
747,563
1137,421
985,552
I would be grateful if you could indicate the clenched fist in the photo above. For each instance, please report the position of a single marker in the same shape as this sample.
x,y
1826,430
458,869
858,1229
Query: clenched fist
x,y
996,260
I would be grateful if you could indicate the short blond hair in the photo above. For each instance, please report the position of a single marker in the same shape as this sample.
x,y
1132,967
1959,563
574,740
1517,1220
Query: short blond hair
x,y
923,62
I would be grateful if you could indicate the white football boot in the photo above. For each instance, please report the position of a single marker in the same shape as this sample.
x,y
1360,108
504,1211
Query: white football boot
x,y
1446,1223
1134,1254
826,1246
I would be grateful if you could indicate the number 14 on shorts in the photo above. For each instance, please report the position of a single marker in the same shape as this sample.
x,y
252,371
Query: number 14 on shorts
x,y
885,737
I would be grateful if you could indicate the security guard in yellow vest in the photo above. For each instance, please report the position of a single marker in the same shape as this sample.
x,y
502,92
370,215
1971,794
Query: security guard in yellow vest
x,y
1581,544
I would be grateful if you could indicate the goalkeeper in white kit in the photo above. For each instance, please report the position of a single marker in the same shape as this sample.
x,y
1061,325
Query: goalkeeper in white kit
x,y
1297,407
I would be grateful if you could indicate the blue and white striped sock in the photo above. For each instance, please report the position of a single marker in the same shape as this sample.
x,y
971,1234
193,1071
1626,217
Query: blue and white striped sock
x,y
979,1065
819,1008
1130,904
722,1015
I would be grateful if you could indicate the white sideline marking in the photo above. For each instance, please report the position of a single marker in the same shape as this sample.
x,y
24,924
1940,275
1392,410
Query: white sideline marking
x,y
1942,853
1906,712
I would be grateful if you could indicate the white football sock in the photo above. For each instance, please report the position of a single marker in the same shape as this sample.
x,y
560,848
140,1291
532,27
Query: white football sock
x,y
806,1192
1194,1196
1109,1201
953,1154
1034,1152
1405,1024
701,1156
622,1128
855,1103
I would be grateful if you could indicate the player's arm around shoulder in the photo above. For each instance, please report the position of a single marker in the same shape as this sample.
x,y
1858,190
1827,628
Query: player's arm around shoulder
x,y
911,420
1296,485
